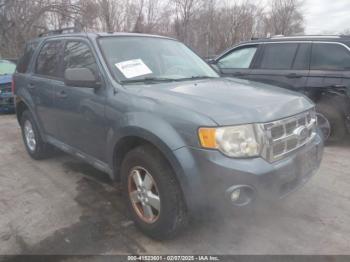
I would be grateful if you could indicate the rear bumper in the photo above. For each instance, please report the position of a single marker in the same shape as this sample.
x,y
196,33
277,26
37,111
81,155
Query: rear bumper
x,y
210,175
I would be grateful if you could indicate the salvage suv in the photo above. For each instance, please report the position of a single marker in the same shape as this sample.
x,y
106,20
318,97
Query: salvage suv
x,y
152,114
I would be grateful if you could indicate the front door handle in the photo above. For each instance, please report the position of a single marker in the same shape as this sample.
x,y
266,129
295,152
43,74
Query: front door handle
x,y
62,95
294,75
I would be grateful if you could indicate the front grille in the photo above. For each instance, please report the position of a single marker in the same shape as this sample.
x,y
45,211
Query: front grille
x,y
5,88
6,101
287,135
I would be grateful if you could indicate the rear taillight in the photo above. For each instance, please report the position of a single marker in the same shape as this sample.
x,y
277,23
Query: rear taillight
x,y
13,88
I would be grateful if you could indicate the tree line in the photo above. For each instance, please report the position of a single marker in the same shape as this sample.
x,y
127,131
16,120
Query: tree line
x,y
207,26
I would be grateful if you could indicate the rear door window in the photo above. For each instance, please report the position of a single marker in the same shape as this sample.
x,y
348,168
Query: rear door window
x,y
302,59
238,59
330,57
278,56
48,61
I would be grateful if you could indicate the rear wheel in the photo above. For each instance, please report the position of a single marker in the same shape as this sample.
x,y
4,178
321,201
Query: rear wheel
x,y
153,195
34,144
331,122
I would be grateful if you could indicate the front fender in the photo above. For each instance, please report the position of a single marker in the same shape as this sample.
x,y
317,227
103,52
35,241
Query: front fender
x,y
157,132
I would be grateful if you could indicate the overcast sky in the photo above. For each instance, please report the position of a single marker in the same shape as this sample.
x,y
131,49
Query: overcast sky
x,y
323,16
326,16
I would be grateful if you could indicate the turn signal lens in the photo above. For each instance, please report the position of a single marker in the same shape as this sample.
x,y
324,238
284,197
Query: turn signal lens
x,y
207,137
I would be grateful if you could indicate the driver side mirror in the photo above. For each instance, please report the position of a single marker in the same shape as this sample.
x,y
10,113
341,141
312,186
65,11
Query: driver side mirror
x,y
211,61
214,64
81,77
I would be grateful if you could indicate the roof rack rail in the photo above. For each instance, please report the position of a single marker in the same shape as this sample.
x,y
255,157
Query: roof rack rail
x,y
61,31
277,36
307,36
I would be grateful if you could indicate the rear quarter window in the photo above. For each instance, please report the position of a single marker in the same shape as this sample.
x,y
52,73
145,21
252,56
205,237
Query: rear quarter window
x,y
330,57
24,61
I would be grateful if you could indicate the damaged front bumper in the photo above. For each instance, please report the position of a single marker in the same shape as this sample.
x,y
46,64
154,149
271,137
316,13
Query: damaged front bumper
x,y
212,178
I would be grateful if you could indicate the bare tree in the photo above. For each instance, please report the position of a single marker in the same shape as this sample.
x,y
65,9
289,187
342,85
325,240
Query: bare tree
x,y
108,10
21,20
285,17
208,26
185,10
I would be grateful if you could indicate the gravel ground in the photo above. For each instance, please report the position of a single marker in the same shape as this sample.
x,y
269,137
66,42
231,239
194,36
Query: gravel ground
x,y
63,206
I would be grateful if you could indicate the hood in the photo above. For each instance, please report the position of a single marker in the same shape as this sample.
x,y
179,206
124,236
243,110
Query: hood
x,y
229,101
5,79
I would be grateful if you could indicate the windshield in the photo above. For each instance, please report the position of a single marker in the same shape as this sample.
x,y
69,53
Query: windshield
x,y
149,58
7,68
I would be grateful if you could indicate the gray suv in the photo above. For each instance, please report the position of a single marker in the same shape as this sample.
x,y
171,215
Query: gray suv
x,y
152,114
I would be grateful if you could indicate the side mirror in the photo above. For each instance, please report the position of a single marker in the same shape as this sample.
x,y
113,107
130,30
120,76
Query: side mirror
x,y
81,77
214,64
211,61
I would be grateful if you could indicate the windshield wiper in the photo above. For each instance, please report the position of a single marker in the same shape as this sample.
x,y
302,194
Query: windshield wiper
x,y
195,78
148,80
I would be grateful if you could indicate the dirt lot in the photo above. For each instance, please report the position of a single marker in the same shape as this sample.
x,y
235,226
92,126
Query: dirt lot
x,y
63,206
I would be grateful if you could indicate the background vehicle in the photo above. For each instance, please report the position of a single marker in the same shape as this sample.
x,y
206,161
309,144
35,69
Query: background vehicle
x,y
318,66
7,68
153,115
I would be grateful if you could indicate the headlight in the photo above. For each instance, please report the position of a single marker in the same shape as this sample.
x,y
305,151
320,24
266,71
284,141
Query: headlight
x,y
235,141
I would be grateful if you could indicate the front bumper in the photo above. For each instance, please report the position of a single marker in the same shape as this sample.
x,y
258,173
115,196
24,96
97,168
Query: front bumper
x,y
209,174
7,103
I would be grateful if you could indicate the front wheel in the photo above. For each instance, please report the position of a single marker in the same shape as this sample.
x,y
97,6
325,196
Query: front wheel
x,y
331,122
152,193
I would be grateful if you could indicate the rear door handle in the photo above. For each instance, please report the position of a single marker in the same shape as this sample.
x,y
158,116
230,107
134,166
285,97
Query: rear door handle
x,y
339,86
62,95
31,86
294,75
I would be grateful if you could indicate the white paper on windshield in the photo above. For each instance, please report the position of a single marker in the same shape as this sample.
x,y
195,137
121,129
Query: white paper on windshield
x,y
133,68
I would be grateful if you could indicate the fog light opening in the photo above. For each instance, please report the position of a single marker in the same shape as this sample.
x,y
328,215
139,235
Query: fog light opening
x,y
235,195
240,195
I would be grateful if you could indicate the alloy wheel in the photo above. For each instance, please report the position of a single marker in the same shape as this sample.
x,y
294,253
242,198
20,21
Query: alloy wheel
x,y
144,195
324,125
29,135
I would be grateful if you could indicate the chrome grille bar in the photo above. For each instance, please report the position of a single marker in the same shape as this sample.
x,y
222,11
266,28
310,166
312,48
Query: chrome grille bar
x,y
287,135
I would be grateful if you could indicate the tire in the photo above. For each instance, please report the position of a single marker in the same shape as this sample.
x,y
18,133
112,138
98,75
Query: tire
x,y
335,119
37,148
171,216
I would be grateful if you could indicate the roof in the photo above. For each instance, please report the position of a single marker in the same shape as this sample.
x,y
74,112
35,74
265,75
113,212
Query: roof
x,y
344,39
323,38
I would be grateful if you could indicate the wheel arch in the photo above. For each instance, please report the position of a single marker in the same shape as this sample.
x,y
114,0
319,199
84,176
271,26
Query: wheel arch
x,y
21,106
335,99
126,143
132,140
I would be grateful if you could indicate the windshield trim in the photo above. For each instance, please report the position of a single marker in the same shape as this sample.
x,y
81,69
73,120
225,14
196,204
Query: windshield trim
x,y
120,81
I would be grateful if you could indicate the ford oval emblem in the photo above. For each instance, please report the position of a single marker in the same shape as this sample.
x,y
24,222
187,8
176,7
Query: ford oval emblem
x,y
301,132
